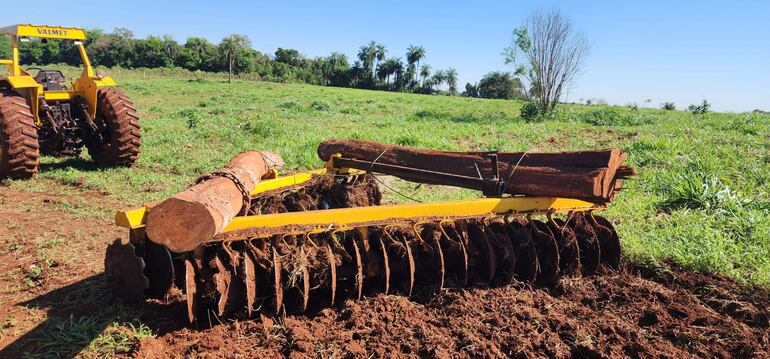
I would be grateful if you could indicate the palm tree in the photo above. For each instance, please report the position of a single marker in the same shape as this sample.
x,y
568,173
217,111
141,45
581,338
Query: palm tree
x,y
414,54
382,71
411,73
232,47
366,54
438,78
451,80
424,73
398,70
379,52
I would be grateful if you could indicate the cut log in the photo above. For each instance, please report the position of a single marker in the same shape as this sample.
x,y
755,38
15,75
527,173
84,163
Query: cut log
x,y
184,221
589,175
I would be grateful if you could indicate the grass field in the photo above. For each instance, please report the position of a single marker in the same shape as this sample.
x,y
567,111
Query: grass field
x,y
701,199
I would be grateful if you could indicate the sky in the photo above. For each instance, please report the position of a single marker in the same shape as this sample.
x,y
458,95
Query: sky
x,y
679,51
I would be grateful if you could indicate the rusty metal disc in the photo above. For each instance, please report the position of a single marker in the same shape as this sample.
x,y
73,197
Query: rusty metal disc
x,y
506,256
305,280
547,252
527,266
159,269
124,272
455,256
277,285
410,265
332,270
385,262
191,290
441,264
250,281
359,267
480,255
608,240
569,252
588,243
222,281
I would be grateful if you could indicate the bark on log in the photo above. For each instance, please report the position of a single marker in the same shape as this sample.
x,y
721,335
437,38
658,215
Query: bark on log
x,y
184,221
590,175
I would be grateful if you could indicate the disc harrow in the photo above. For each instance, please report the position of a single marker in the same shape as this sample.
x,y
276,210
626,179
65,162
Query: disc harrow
x,y
317,239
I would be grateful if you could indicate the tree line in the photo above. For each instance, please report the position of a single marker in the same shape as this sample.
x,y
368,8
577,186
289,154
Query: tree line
x,y
372,68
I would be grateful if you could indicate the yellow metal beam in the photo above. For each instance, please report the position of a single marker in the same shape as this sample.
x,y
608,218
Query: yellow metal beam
x,y
349,217
44,31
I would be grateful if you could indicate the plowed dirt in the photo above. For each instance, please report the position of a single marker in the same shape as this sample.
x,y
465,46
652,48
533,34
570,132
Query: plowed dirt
x,y
635,312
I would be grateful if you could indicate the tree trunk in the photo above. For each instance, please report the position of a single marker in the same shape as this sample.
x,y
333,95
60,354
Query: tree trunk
x,y
195,215
230,70
589,175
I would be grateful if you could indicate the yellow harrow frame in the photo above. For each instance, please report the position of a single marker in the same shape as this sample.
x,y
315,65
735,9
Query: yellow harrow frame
x,y
348,218
287,261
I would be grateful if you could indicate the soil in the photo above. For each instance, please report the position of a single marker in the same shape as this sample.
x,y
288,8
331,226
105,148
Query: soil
x,y
635,311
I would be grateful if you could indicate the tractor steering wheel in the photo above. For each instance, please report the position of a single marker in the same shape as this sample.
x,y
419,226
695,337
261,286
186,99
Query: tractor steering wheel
x,y
34,68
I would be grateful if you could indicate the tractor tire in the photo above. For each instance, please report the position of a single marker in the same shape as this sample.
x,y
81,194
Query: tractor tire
x,y
19,149
122,134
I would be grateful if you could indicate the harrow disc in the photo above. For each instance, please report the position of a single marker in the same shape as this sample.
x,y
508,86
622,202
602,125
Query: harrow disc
x,y
527,265
159,269
569,252
588,243
251,281
506,256
124,272
608,240
482,258
547,252
191,290
229,288
455,255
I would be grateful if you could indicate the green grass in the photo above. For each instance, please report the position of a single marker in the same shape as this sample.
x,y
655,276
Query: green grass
x,y
700,199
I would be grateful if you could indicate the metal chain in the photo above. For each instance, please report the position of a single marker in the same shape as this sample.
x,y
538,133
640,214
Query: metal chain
x,y
226,173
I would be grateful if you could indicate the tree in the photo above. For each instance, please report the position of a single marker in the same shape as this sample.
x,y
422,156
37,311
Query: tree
x,y
115,49
500,85
233,48
336,70
171,48
151,53
379,53
389,67
703,108
668,106
290,57
198,54
451,80
438,78
5,47
414,54
424,73
548,54
367,55
471,90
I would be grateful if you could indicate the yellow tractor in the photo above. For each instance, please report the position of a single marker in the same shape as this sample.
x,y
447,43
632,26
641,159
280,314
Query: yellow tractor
x,y
40,114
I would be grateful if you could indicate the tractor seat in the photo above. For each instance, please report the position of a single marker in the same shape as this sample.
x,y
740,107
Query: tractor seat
x,y
51,80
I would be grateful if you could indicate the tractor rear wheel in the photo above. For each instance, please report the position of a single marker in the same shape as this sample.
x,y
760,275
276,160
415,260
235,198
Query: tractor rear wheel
x,y
120,132
19,149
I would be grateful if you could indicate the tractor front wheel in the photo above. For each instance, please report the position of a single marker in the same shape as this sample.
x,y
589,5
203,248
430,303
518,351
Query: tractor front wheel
x,y
19,149
119,129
